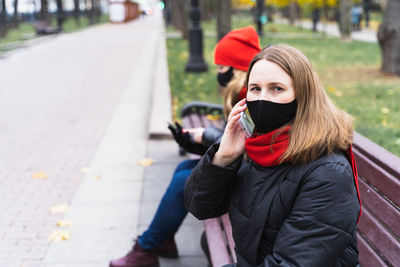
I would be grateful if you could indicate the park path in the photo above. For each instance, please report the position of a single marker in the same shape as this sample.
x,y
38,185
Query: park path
x,y
74,122
332,29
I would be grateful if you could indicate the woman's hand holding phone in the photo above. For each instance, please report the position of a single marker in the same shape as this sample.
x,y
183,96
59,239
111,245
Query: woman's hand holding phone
x,y
233,140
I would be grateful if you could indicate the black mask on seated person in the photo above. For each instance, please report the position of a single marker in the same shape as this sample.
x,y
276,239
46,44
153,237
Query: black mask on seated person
x,y
269,116
225,77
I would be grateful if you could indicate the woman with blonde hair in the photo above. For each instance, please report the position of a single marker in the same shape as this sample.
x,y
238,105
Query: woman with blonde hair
x,y
233,54
291,188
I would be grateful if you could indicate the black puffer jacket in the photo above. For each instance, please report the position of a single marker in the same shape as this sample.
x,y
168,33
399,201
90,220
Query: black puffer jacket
x,y
285,215
211,135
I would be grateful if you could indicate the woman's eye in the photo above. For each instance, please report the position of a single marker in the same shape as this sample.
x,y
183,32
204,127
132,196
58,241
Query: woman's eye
x,y
255,89
276,89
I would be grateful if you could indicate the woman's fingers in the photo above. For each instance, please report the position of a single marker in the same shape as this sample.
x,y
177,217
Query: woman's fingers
x,y
239,107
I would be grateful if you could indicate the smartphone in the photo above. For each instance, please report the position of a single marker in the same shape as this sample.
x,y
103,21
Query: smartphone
x,y
246,123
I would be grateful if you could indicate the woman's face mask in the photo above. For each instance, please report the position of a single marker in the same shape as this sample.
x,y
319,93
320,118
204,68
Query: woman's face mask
x,y
269,116
225,77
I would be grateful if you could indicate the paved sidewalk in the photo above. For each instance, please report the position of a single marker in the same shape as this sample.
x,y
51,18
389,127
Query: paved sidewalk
x,y
332,29
74,111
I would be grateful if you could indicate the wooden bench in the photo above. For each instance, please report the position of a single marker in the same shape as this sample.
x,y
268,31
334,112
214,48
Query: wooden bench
x,y
379,184
217,235
43,27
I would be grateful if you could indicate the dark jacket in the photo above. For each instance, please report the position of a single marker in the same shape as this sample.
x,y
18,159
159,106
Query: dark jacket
x,y
286,215
211,135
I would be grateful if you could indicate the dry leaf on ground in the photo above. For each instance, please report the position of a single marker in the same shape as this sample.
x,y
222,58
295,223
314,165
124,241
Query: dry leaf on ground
x,y
145,162
62,208
86,170
39,175
64,223
59,236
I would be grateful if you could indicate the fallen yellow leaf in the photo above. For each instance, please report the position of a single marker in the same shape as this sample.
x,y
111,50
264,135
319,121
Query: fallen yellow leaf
x,y
85,170
59,236
331,89
64,223
213,117
145,162
39,175
62,208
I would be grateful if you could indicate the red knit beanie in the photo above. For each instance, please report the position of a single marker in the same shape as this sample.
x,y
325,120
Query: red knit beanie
x,y
237,48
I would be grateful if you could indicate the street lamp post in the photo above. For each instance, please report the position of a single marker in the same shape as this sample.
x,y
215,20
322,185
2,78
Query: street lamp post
x,y
196,62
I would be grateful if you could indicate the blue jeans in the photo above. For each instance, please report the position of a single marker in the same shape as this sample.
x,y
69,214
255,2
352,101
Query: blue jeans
x,y
171,211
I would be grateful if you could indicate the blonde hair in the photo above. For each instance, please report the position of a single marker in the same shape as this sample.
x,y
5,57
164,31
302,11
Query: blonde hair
x,y
319,127
232,90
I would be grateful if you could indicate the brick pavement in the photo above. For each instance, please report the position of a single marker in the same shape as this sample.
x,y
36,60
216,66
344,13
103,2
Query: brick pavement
x,y
56,100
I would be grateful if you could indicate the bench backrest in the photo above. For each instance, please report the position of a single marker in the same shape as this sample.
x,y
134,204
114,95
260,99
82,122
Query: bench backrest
x,y
379,227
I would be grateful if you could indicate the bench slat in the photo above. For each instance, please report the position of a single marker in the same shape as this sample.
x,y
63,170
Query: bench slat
x,y
205,122
378,177
377,154
196,121
367,256
380,207
186,122
216,242
228,230
383,241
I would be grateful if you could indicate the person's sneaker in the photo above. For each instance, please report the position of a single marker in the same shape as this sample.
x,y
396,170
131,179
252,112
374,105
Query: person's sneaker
x,y
137,257
168,249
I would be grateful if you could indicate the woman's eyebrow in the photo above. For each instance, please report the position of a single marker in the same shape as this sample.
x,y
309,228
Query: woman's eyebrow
x,y
277,83
269,84
254,83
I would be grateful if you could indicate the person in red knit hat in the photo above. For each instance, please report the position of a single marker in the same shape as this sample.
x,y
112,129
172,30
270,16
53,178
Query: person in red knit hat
x,y
233,54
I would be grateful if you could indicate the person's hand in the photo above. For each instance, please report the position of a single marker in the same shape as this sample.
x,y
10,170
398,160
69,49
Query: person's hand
x,y
233,140
181,137
197,134
186,140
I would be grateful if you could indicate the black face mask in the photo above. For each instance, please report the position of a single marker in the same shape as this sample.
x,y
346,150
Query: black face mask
x,y
225,77
269,116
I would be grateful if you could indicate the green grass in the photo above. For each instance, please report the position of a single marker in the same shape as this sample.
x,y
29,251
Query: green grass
x,y
349,72
187,87
23,32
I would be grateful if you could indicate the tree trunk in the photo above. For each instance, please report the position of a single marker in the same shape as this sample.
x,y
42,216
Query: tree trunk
x,y
3,23
60,14
345,25
43,13
223,18
292,12
77,12
89,11
389,38
15,16
179,17
96,9
208,9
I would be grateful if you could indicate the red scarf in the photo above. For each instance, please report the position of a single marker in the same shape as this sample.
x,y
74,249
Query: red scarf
x,y
352,160
242,93
265,153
